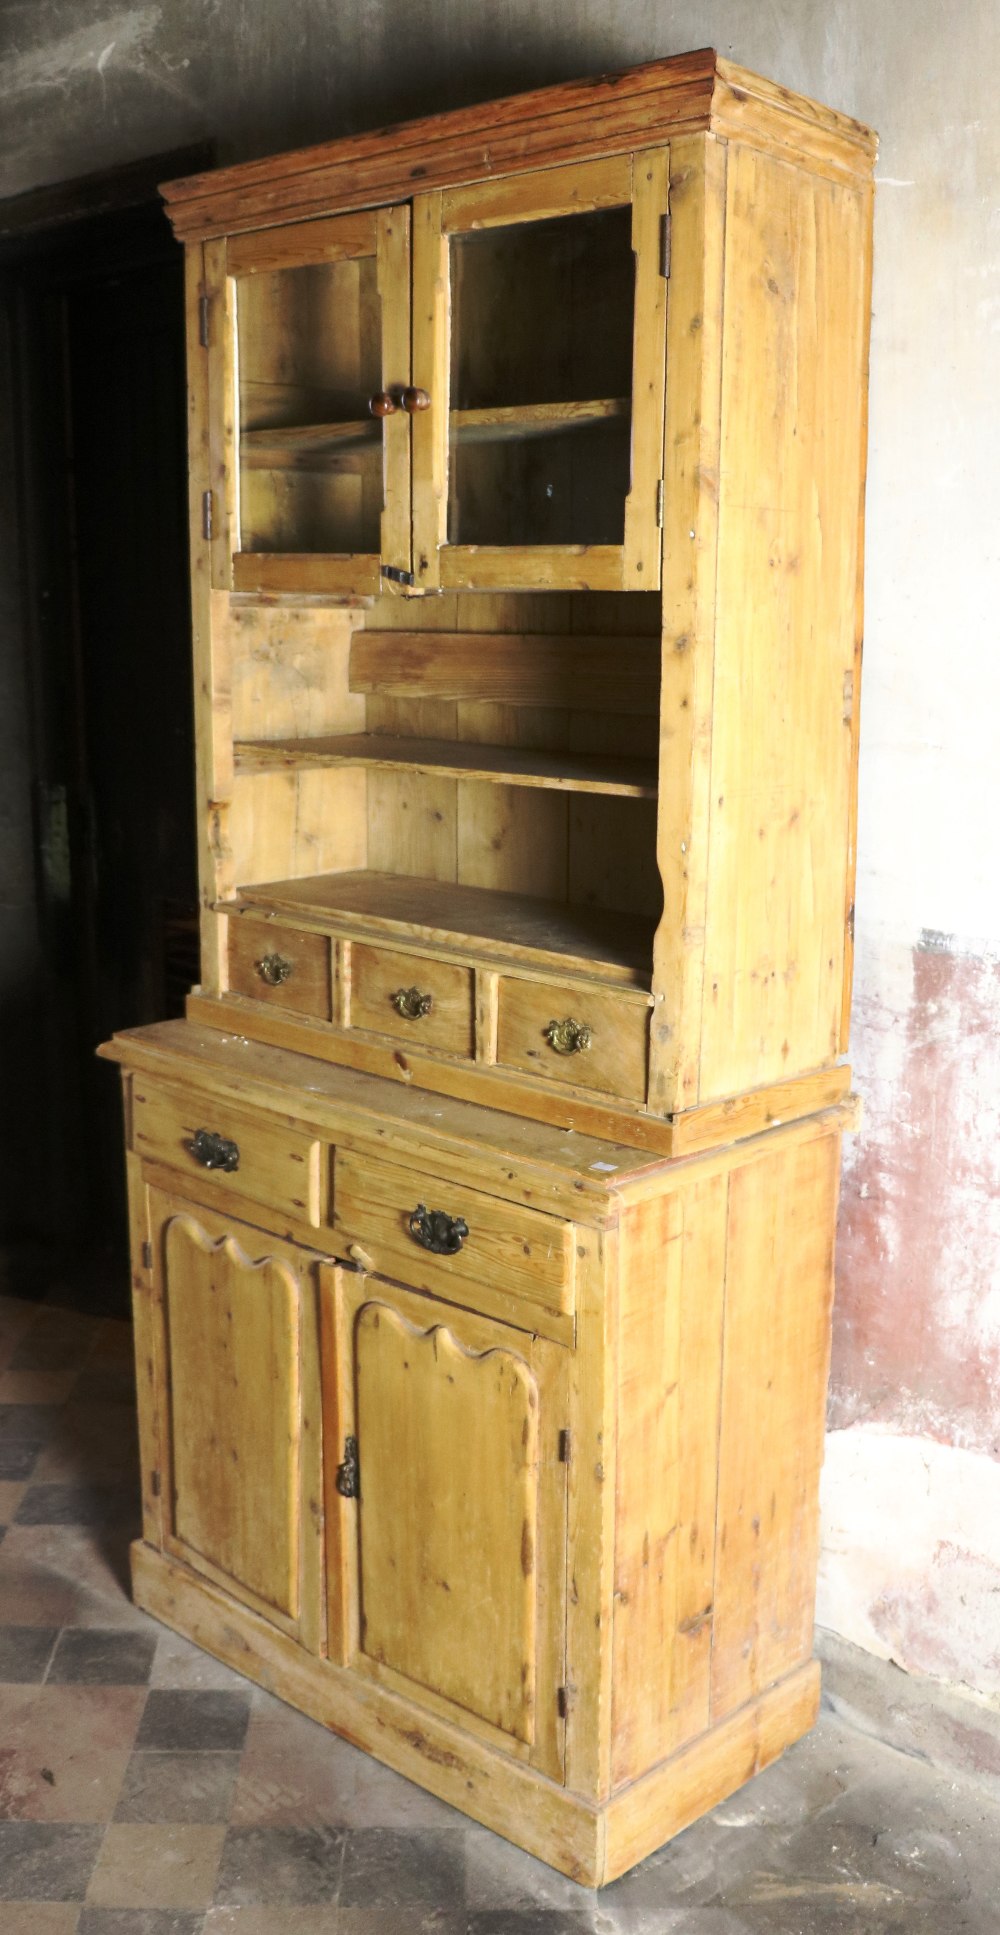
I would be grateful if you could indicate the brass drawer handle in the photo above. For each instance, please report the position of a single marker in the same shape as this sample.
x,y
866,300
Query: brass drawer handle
x,y
214,1151
274,969
569,1037
435,1230
411,1004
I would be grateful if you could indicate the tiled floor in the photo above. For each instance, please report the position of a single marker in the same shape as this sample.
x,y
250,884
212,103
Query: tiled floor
x,y
146,1790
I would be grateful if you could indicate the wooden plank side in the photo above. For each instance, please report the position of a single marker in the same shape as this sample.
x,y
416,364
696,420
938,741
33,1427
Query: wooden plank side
x,y
673,1271
393,228
290,672
298,823
691,474
852,708
431,330
150,1371
781,784
779,1293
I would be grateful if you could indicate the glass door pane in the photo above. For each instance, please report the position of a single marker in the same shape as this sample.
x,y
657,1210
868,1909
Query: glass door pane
x,y
541,381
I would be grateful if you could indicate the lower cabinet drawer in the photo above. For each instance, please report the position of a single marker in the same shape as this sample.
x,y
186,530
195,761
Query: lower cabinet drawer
x,y
233,1154
470,1248
596,1041
280,965
427,1003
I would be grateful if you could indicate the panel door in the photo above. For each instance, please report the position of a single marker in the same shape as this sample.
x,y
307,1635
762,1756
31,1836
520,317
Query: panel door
x,y
237,1321
457,1536
540,337
318,334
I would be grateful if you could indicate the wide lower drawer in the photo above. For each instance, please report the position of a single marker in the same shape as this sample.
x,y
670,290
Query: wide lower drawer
x,y
591,1040
280,965
470,1248
231,1153
427,1003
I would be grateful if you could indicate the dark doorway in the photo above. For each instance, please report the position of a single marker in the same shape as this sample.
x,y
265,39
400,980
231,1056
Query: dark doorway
x,y
97,332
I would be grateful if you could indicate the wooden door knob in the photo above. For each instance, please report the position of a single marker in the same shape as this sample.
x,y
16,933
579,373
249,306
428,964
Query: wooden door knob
x,y
414,400
382,404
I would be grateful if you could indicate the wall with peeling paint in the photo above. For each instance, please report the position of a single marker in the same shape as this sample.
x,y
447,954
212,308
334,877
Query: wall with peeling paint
x,y
912,1561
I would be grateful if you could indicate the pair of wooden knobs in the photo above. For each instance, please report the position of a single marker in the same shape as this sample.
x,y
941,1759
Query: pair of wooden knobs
x,y
385,404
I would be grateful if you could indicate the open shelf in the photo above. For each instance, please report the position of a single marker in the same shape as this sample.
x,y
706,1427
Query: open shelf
x,y
504,765
540,934
519,420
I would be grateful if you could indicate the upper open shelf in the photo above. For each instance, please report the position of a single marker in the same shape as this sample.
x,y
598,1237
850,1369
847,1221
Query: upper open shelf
x,y
322,444
504,765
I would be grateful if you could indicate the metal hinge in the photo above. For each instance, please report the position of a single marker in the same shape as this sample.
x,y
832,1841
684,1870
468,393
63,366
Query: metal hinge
x,y
147,1256
203,315
659,503
154,1483
565,1696
397,577
665,243
565,1446
348,1474
206,515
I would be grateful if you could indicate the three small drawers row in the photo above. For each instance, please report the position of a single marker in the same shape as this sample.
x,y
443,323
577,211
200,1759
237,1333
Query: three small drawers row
x,y
422,1229
595,1040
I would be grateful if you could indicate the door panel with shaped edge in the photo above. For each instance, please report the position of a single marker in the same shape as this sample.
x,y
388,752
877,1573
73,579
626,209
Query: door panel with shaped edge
x,y
315,340
237,1339
539,333
456,1541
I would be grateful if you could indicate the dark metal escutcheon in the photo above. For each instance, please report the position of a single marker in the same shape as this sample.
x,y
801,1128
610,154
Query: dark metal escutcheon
x,y
411,1004
348,1474
435,1230
274,969
214,1151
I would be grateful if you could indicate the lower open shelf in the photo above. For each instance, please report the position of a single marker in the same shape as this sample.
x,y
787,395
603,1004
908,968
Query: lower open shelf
x,y
536,933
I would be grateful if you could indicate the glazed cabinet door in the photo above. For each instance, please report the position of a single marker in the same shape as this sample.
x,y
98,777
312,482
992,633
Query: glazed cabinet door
x,y
539,333
236,1315
450,1434
310,394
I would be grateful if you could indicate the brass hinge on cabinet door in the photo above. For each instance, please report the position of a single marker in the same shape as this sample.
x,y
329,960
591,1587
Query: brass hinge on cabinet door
x,y
565,1447
396,576
659,503
565,1696
147,1256
665,243
154,1483
203,314
206,515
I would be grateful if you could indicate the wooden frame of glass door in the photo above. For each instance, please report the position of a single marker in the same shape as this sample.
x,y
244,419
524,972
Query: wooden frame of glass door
x,y
380,233
640,181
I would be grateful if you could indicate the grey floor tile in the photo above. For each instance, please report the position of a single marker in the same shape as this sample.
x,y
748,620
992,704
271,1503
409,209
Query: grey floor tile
x,y
528,1921
28,1424
139,1921
18,1458
177,1786
194,1721
386,1869
25,1652
43,1861
61,1504
58,1340
499,1876
102,1657
280,1866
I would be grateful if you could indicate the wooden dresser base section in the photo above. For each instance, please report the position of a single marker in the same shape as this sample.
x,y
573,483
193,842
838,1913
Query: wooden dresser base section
x,y
593,1845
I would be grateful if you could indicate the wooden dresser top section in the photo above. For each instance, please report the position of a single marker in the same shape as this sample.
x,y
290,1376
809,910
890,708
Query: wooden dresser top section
x,y
576,121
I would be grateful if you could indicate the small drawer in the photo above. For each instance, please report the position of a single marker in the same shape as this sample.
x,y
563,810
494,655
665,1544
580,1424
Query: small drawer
x,y
190,1132
596,1041
429,1004
472,1249
280,965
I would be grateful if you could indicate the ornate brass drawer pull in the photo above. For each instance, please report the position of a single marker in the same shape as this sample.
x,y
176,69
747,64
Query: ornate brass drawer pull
x,y
411,1004
214,1151
435,1230
274,969
569,1037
